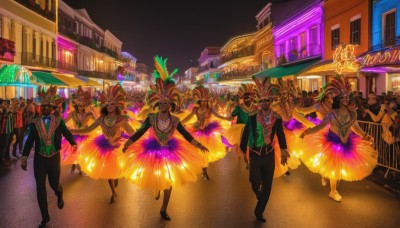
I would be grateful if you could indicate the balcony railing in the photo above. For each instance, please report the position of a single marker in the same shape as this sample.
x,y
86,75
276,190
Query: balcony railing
x,y
247,51
305,52
97,74
238,74
32,5
387,43
31,59
67,66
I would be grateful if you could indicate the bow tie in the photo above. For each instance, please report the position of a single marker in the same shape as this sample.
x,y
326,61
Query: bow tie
x,y
46,118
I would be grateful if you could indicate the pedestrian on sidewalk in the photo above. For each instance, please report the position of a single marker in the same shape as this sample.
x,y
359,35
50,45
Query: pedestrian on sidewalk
x,y
46,132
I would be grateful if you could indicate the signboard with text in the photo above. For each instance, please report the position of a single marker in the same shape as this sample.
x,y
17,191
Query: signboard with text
x,y
385,57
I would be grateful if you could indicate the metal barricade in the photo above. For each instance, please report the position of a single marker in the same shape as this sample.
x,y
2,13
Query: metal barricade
x,y
386,142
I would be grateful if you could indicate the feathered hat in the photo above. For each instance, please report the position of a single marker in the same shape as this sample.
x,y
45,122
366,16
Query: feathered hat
x,y
82,98
49,97
288,86
265,88
250,89
201,93
164,88
340,85
114,94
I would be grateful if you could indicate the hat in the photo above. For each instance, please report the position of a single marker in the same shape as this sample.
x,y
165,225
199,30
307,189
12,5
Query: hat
x,y
49,97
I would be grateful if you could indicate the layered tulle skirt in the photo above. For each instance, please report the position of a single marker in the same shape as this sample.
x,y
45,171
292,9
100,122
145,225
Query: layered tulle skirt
x,y
150,165
333,159
100,159
292,130
233,135
68,156
210,137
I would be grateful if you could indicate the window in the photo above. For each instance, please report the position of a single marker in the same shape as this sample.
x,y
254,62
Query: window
x,y
335,38
1,27
12,30
313,35
293,43
302,39
47,49
34,44
76,28
390,28
355,31
282,49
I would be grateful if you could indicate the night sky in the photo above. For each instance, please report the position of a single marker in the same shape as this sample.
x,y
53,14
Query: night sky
x,y
178,30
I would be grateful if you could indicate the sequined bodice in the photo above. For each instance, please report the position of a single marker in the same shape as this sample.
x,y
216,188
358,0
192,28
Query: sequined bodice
x,y
341,124
163,129
203,117
112,129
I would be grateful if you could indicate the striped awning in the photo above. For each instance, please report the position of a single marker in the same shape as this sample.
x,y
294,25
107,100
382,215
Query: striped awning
x,y
15,75
69,79
45,78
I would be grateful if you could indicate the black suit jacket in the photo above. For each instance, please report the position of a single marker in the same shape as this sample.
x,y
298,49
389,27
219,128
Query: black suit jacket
x,y
33,137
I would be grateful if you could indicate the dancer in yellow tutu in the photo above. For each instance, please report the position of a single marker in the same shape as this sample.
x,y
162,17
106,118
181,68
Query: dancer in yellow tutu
x,y
343,151
79,118
293,122
207,129
322,107
242,111
163,159
99,154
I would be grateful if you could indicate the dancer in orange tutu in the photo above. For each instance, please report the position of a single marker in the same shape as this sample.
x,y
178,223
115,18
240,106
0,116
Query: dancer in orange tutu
x,y
163,159
79,118
343,151
99,154
207,129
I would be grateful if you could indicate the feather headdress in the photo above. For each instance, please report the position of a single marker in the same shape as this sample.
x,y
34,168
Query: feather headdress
x,y
265,88
114,94
49,97
82,97
201,93
340,85
288,86
251,89
164,88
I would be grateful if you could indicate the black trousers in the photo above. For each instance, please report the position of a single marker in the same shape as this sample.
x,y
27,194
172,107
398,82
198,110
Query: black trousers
x,y
46,166
261,175
3,144
19,134
7,139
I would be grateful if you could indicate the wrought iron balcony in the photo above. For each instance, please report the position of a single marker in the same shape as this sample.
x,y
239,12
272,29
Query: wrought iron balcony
x,y
238,74
31,59
247,51
67,66
32,5
387,44
97,74
305,52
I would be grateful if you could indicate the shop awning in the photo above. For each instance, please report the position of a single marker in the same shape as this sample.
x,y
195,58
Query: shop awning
x,y
15,75
89,82
45,78
283,71
70,80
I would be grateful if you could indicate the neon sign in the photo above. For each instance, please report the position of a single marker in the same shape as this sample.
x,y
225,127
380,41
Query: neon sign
x,y
391,56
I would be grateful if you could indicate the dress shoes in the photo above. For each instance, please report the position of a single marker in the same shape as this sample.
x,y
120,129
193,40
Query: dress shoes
x,y
260,218
44,222
113,198
164,215
60,201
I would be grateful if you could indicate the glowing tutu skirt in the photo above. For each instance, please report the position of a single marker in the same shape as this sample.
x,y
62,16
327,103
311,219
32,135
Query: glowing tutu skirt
x,y
152,166
210,137
100,160
335,160
292,130
68,157
234,134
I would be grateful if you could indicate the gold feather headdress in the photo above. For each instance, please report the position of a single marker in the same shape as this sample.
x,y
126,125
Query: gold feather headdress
x,y
114,94
340,85
251,89
49,97
82,98
265,88
164,88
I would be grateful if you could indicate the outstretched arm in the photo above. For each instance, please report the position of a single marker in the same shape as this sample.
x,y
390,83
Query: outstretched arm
x,y
188,117
87,129
378,117
360,132
221,117
145,126
128,128
307,110
317,128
